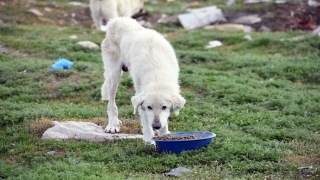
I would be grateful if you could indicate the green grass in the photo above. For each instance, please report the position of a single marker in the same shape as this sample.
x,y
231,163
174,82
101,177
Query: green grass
x,y
260,97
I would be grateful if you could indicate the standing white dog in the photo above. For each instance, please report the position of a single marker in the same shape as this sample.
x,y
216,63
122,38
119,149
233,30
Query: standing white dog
x,y
154,69
108,9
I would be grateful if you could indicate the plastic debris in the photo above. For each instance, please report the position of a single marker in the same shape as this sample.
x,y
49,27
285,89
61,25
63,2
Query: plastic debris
x,y
197,18
62,64
177,171
213,44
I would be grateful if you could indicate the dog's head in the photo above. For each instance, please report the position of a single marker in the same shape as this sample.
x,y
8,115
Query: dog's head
x,y
156,108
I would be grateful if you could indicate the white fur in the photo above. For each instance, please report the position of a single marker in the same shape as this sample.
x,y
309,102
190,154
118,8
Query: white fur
x,y
154,69
108,9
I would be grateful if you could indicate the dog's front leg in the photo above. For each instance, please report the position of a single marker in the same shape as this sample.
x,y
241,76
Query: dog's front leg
x,y
147,130
112,80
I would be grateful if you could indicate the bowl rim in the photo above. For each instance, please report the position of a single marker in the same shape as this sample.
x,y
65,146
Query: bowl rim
x,y
210,136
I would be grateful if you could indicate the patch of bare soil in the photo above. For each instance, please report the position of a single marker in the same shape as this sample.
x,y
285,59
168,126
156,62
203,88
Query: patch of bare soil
x,y
288,16
282,17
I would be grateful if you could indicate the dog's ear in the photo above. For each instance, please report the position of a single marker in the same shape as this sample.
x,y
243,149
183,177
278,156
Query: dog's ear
x,y
177,104
137,101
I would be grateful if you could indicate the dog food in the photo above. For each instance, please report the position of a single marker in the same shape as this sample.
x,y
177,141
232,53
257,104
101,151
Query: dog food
x,y
176,137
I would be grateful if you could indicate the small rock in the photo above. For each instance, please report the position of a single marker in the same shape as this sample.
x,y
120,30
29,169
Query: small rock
x,y
74,21
264,29
255,1
52,152
61,22
194,3
230,2
75,3
54,5
313,3
177,171
164,18
247,37
35,12
46,20
213,44
280,1
227,27
48,9
251,19
316,31
73,37
88,44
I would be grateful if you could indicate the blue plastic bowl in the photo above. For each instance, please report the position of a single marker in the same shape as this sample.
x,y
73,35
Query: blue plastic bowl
x,y
177,146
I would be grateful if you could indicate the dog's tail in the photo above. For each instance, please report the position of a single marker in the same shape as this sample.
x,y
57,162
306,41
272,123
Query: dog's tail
x,y
120,26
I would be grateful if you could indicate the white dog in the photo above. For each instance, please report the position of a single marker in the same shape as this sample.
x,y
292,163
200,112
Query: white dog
x,y
108,9
153,66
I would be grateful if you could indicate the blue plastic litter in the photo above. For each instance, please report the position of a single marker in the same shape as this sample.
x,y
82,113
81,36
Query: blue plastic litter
x,y
62,64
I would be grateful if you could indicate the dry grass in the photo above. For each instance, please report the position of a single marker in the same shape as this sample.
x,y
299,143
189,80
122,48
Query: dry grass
x,y
302,159
131,126
39,126
300,156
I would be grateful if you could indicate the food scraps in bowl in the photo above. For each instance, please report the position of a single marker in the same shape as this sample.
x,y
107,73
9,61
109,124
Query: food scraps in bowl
x,y
166,137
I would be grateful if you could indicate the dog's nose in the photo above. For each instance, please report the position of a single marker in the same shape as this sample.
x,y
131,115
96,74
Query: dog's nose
x,y
156,126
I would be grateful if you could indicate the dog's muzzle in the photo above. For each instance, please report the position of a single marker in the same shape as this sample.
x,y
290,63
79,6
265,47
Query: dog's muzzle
x,y
156,125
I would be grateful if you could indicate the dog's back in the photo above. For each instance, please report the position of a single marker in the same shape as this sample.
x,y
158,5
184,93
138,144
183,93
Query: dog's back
x,y
142,50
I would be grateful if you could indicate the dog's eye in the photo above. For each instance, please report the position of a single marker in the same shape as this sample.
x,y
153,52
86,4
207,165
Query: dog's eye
x,y
149,107
164,107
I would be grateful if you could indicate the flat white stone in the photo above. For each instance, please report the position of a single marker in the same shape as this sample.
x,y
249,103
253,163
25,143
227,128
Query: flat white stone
x,y
86,131
88,44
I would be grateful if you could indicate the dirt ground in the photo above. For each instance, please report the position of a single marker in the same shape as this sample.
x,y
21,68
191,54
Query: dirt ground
x,y
287,16
283,17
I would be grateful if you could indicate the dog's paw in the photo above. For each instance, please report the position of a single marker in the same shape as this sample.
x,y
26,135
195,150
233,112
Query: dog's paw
x,y
150,143
113,127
